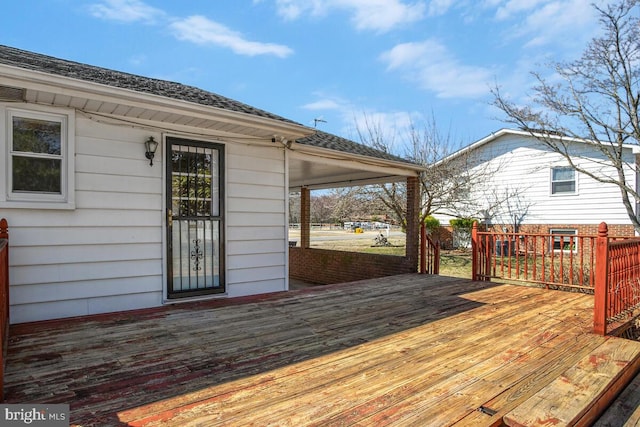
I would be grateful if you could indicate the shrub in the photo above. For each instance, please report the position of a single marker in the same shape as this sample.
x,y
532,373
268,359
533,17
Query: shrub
x,y
431,224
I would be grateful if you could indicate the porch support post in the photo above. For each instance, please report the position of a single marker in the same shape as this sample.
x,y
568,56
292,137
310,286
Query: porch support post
x,y
413,220
305,217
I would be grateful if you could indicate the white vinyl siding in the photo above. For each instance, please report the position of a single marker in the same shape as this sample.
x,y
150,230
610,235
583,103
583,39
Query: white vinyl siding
x,y
256,215
521,166
108,253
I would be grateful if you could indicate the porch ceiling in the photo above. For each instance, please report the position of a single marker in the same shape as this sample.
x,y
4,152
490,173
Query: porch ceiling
x,y
318,175
319,168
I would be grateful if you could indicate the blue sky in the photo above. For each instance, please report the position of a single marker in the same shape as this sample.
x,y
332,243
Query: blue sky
x,y
346,62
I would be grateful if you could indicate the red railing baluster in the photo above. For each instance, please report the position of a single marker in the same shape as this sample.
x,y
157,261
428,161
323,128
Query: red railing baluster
x,y
429,253
4,299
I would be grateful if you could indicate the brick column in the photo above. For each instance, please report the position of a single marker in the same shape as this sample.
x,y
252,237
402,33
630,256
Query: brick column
x,y
305,217
413,221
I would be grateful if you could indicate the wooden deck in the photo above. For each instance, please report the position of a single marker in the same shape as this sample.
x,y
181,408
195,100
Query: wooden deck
x,y
404,350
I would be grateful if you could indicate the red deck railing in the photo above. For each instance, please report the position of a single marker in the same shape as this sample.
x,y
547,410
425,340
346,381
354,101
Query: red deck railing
x,y
559,260
429,253
617,289
608,267
4,299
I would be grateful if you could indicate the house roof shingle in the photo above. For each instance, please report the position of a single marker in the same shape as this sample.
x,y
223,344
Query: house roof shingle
x,y
168,89
332,142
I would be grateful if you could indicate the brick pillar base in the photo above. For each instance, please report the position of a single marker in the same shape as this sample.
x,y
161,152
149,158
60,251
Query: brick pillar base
x,y
413,220
305,217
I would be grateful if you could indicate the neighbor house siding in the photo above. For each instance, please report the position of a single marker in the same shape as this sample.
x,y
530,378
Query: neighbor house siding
x,y
522,165
106,254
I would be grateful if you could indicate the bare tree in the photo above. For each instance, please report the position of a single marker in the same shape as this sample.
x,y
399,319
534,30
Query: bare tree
x,y
294,208
594,98
449,185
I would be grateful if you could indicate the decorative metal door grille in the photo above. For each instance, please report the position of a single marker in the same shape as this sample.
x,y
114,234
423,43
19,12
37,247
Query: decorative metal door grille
x,y
194,172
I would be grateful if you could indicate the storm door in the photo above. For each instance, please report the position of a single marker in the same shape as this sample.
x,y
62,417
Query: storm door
x,y
194,218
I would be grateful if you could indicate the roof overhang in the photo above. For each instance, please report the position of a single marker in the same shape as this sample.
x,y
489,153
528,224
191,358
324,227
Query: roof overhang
x,y
308,166
516,132
100,99
318,168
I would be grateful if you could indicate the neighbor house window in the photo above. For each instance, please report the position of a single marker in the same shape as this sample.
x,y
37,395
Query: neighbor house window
x,y
564,239
563,180
38,151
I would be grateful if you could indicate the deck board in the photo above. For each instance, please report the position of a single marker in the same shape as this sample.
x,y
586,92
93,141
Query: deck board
x,y
405,350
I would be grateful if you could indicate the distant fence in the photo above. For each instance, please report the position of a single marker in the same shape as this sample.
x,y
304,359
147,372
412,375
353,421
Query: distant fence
x,y
4,299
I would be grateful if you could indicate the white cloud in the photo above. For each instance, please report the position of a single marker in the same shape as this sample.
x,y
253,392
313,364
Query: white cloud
x,y
127,11
392,127
201,30
546,22
324,104
439,7
196,29
293,9
376,15
512,7
435,69
138,60
559,22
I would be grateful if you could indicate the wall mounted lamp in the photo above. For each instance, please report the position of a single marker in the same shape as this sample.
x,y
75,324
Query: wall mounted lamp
x,y
150,145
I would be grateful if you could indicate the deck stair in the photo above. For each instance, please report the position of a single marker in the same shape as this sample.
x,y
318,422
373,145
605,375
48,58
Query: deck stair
x,y
578,397
625,410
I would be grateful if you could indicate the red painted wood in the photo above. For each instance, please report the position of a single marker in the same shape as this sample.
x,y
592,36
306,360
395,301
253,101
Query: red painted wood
x,y
475,252
529,257
601,276
423,248
619,284
4,299
429,253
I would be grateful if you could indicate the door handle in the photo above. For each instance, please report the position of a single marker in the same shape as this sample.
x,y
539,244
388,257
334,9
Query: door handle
x,y
169,218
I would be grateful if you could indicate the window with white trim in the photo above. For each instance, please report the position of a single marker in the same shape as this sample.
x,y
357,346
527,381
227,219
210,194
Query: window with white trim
x,y
563,180
38,157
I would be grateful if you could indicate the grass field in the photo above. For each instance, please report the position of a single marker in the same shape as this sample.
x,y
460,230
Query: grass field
x,y
452,263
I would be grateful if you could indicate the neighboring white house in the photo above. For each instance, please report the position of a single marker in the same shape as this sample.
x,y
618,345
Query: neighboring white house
x,y
95,228
529,187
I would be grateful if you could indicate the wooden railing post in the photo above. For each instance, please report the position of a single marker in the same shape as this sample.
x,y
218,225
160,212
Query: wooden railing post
x,y
436,259
423,248
475,247
601,296
4,292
